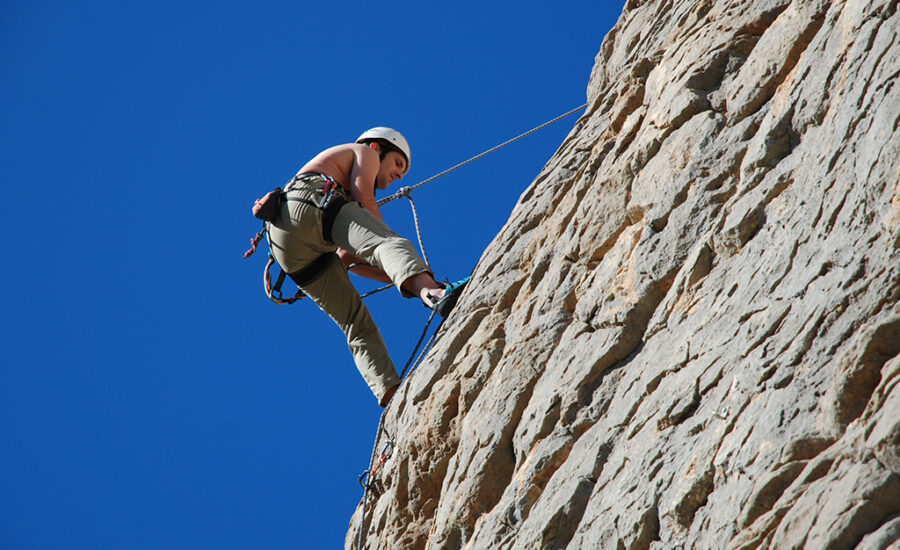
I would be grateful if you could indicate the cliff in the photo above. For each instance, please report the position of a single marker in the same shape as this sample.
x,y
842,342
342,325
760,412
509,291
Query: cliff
x,y
688,333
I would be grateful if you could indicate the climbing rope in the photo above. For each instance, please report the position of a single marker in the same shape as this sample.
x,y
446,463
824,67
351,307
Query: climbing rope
x,y
376,291
419,343
412,204
404,192
367,479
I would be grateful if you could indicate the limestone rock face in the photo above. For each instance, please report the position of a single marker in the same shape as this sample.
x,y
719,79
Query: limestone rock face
x,y
688,333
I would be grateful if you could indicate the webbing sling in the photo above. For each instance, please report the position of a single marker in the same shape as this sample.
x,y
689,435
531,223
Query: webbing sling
x,y
301,278
313,271
332,209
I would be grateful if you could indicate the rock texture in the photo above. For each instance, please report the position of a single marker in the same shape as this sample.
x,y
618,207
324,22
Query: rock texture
x,y
688,333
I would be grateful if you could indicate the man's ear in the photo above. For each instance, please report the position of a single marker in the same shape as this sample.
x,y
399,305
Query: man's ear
x,y
375,145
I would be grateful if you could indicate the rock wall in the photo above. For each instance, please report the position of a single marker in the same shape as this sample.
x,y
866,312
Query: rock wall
x,y
688,333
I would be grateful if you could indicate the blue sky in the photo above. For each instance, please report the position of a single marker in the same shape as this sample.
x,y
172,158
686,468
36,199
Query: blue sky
x,y
151,396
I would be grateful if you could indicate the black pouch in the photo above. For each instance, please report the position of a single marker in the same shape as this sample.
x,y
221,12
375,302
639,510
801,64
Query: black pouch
x,y
268,207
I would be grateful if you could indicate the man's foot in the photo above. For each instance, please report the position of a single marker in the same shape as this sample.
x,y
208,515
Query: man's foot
x,y
388,395
445,304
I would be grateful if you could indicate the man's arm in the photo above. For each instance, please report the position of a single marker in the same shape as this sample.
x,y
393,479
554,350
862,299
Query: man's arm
x,y
366,162
363,269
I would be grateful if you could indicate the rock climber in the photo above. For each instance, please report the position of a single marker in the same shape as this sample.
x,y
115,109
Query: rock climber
x,y
330,207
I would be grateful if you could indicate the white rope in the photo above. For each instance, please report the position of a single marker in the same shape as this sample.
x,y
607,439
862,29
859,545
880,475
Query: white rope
x,y
419,231
404,192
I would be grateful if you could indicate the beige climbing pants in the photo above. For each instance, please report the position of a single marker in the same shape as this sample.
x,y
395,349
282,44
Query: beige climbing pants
x,y
296,240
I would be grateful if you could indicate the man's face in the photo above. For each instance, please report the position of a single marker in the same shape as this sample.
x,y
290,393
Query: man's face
x,y
393,165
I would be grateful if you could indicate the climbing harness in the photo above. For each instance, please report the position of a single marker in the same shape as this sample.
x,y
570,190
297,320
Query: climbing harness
x,y
301,278
268,208
273,291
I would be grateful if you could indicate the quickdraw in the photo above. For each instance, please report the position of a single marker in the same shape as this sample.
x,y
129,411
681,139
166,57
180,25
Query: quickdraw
x,y
367,478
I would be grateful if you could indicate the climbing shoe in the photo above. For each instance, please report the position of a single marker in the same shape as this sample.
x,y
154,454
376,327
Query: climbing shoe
x,y
447,302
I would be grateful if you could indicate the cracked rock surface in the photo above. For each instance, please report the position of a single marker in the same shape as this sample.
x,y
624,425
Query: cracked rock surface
x,y
688,333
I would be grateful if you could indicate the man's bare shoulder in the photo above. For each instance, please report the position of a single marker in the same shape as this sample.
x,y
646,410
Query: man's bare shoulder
x,y
337,161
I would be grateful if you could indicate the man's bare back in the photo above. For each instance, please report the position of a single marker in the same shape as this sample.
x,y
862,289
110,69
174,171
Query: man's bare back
x,y
355,167
336,162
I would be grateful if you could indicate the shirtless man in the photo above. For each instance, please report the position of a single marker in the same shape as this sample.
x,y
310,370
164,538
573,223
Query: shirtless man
x,y
331,207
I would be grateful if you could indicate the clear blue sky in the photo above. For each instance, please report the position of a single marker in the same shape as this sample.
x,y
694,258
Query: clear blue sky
x,y
151,396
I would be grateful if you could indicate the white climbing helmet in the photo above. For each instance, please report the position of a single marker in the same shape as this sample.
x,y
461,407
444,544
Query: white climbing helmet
x,y
391,136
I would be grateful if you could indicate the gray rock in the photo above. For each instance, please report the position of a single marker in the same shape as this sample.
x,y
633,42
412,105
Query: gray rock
x,y
688,333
